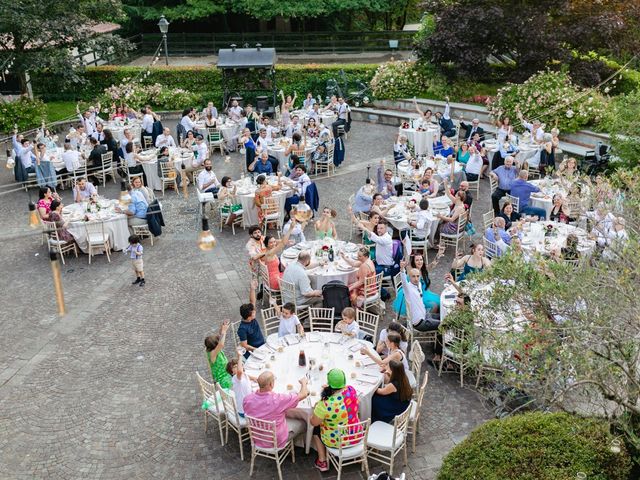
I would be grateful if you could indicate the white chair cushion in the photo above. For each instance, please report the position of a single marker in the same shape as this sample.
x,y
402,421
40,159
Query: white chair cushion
x,y
414,407
380,436
373,298
212,406
348,453
96,239
205,197
243,421
57,242
272,216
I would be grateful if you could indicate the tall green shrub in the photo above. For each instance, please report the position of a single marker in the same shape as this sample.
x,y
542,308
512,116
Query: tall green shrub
x,y
537,446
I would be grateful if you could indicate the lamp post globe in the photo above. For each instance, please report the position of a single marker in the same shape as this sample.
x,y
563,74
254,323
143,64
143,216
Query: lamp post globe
x,y
163,24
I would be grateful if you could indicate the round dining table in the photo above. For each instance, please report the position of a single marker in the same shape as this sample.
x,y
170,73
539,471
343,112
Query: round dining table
x,y
440,167
115,224
544,237
278,148
118,127
323,274
405,209
326,118
246,196
422,140
323,351
150,163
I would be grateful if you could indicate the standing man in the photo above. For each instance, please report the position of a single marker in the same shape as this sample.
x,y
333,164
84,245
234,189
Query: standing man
x,y
342,110
505,174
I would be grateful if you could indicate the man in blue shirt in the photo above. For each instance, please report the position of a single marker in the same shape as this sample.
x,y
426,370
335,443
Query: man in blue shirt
x,y
261,165
522,189
249,332
505,175
498,235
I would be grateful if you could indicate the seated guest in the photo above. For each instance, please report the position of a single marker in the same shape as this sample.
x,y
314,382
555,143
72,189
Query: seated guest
x,y
127,137
189,141
384,248
210,109
472,129
97,150
559,213
207,180
61,226
422,223
509,215
476,262
201,151
319,156
338,406
547,155
434,185
240,381
312,128
505,149
325,227
289,321
98,133
462,153
386,184
394,396
314,113
187,121
364,198
420,318
366,269
165,139
262,142
377,205
77,137
271,260
522,189
447,127
394,351
110,143
294,127
505,175
450,222
570,250
430,299
568,168
249,331
45,197
498,235
133,159
395,327
71,158
267,405
138,206
348,324
263,192
308,102
299,185
426,117
401,149
443,147
297,232
464,187
296,273
474,166
261,164
83,190
216,358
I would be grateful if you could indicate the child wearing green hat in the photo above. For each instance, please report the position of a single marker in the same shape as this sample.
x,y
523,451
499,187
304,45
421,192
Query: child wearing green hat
x,y
338,406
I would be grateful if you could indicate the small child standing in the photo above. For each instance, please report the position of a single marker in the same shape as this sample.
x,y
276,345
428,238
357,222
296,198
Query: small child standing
x,y
289,321
348,325
241,382
135,253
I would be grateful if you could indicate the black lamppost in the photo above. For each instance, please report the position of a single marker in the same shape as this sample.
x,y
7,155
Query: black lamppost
x,y
164,28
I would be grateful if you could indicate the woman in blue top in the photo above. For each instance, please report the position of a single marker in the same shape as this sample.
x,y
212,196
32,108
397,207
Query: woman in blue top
x,y
430,299
462,153
476,262
249,146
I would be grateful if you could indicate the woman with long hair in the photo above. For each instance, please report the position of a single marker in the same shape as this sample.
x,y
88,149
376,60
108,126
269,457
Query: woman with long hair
x,y
394,396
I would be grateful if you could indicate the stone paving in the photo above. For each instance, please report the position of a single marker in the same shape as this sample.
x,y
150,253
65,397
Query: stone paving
x,y
109,391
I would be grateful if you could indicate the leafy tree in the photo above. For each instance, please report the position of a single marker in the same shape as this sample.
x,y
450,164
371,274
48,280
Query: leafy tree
x,y
185,10
52,36
622,121
568,338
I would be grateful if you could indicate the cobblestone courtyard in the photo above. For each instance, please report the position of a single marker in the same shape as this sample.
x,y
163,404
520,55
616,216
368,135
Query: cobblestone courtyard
x,y
109,390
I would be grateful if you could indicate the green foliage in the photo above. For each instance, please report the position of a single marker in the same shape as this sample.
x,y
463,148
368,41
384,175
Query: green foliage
x,y
60,110
206,82
552,98
401,79
627,80
23,112
622,122
537,446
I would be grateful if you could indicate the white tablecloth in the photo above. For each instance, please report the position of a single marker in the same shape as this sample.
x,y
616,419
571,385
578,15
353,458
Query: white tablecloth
x,y
534,239
321,275
246,195
150,164
117,129
327,118
422,141
277,151
328,350
548,188
529,153
115,224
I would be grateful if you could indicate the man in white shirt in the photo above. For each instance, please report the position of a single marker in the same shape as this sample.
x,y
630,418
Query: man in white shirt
x,y
201,151
187,122
294,126
420,318
535,127
474,165
210,109
314,113
270,129
98,133
83,190
147,122
262,141
207,180
342,110
296,273
71,158
422,224
165,139
88,121
234,111
384,248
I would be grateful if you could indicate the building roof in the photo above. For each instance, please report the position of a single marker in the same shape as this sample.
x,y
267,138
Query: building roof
x,y
246,57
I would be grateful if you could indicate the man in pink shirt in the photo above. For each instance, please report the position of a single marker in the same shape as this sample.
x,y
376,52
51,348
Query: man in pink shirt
x,y
267,405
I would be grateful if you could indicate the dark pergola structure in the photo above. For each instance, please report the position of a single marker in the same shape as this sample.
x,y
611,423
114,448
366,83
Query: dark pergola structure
x,y
236,63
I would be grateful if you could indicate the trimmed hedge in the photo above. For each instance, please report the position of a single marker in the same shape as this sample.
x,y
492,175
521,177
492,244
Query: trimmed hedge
x,y
203,80
537,446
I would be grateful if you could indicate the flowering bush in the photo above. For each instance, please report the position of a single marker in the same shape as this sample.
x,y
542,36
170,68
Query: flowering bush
x,y
23,112
552,98
406,79
137,95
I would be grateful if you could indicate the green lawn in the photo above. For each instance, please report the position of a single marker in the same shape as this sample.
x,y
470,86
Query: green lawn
x,y
60,110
